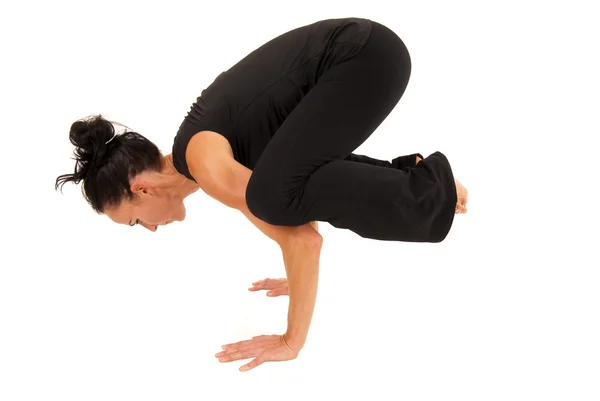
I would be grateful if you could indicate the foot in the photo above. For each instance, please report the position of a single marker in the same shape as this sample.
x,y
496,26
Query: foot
x,y
461,195
402,162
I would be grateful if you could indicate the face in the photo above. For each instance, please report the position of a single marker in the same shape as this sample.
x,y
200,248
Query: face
x,y
150,208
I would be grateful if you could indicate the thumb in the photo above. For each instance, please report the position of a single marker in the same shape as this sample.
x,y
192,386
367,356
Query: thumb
x,y
251,365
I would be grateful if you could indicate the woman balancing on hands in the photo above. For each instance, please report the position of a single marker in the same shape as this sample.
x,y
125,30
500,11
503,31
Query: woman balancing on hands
x,y
273,137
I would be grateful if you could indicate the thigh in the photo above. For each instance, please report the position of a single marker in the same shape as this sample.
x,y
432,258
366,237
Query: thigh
x,y
347,104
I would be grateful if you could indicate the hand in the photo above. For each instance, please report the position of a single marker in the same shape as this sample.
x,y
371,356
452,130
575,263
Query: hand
x,y
462,196
273,348
276,286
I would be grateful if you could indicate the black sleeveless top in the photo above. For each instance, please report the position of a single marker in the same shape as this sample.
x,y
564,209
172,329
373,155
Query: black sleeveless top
x,y
248,103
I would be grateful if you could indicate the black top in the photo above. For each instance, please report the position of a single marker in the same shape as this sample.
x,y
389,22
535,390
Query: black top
x,y
248,103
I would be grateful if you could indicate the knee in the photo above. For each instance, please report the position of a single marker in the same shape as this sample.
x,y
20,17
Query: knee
x,y
257,199
266,201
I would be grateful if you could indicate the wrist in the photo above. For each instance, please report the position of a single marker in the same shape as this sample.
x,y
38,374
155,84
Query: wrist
x,y
294,342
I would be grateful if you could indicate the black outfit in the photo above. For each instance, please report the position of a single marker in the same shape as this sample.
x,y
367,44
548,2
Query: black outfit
x,y
294,109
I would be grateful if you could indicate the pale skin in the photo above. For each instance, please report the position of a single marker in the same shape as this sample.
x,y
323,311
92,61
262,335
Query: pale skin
x,y
159,200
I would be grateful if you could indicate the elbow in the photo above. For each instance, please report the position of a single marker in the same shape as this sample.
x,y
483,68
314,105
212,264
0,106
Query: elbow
x,y
315,240
303,237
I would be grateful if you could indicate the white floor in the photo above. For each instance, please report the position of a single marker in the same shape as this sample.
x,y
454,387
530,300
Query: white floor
x,y
506,308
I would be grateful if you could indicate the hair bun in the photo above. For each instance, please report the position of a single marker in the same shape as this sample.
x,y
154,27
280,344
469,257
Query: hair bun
x,y
89,135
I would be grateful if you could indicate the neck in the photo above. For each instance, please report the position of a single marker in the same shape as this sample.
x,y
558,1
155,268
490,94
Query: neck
x,y
178,184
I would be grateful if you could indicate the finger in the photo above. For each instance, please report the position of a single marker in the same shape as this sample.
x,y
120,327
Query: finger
x,y
246,343
254,363
266,280
272,280
236,345
261,282
232,349
266,286
237,352
272,286
276,293
226,356
255,288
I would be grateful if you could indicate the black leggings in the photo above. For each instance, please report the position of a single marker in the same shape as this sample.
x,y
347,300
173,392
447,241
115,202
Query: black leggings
x,y
308,171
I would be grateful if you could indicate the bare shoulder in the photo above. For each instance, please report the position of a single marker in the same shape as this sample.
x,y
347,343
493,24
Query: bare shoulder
x,y
205,149
211,162
210,142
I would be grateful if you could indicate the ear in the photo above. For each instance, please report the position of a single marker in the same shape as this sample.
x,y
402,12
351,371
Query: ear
x,y
140,187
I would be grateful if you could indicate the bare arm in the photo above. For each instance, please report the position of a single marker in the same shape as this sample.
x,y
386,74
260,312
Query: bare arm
x,y
302,271
224,179
301,251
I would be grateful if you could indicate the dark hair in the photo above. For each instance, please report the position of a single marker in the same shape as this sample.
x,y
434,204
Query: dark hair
x,y
106,168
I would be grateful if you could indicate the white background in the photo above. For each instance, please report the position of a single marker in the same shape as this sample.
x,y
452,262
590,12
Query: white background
x,y
506,308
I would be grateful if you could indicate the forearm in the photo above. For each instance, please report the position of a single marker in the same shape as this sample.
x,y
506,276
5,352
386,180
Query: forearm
x,y
301,251
301,260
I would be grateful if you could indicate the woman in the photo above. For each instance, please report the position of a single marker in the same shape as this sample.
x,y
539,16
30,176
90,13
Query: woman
x,y
272,137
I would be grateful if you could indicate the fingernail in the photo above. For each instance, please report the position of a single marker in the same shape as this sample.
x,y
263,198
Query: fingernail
x,y
269,293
